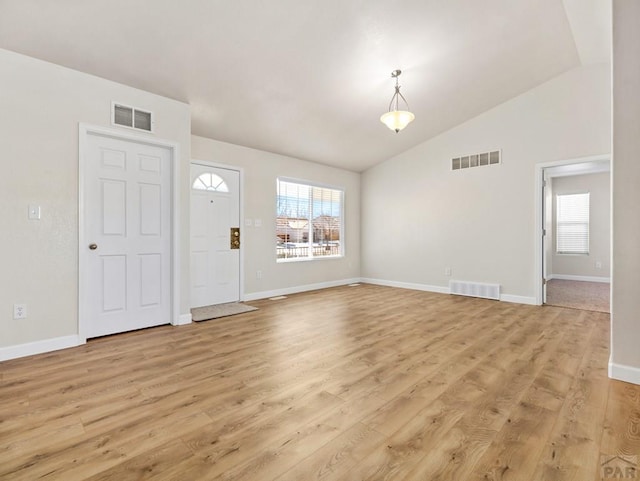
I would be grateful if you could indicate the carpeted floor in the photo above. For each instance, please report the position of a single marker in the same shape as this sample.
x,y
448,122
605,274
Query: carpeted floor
x,y
220,310
588,296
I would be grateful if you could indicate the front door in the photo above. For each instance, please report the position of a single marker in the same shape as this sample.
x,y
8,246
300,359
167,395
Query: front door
x,y
215,235
127,229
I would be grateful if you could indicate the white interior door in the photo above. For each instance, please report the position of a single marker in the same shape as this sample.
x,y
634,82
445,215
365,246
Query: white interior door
x,y
215,250
127,229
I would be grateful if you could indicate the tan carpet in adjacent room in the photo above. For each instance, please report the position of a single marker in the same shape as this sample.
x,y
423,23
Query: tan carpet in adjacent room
x,y
588,296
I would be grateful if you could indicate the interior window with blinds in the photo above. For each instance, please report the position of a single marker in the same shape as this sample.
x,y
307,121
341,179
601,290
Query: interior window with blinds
x,y
572,224
308,222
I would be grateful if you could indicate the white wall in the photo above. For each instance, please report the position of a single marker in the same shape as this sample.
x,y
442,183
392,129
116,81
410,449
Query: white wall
x,y
625,301
41,105
419,217
261,169
598,186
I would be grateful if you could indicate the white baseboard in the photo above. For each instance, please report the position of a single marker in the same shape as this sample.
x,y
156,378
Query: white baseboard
x,y
624,373
39,347
293,290
406,285
57,343
183,319
518,299
566,277
443,290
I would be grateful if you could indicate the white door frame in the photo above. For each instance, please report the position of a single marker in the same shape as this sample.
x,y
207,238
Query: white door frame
x,y
84,130
539,254
240,170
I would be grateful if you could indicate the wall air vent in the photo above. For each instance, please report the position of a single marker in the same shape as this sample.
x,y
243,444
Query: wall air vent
x,y
131,117
476,160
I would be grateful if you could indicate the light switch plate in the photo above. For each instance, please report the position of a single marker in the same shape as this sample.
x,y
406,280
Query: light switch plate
x,y
34,212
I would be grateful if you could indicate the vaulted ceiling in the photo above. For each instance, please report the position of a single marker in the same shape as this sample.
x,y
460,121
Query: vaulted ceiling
x,y
310,79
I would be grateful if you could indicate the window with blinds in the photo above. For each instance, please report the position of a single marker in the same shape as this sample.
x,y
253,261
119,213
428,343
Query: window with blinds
x,y
309,221
572,224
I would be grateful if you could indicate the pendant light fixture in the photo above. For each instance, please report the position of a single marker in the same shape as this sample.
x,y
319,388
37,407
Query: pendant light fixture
x,y
397,119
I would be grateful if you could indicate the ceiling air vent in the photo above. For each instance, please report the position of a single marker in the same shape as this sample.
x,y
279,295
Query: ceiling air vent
x,y
131,117
476,160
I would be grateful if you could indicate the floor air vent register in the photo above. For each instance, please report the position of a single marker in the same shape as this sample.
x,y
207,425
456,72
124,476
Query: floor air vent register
x,y
475,289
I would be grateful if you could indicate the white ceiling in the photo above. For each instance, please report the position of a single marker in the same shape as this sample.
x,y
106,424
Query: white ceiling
x,y
310,79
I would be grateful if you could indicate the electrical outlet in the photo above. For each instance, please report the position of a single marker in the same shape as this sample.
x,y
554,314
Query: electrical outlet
x,y
598,265
447,271
258,274
19,311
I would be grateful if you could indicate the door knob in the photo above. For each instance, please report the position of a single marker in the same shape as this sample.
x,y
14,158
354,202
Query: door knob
x,y
93,246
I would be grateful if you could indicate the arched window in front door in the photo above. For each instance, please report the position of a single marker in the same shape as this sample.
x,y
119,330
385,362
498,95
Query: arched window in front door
x,y
211,182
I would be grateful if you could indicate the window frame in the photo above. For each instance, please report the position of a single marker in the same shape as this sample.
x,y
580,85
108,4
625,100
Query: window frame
x,y
341,240
221,187
559,223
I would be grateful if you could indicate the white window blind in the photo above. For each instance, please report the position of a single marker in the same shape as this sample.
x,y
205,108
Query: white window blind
x,y
572,224
309,221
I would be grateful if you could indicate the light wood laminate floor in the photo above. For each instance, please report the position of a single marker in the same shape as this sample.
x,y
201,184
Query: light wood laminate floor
x,y
348,384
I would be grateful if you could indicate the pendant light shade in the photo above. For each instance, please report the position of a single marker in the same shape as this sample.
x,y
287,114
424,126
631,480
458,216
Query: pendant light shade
x,y
395,118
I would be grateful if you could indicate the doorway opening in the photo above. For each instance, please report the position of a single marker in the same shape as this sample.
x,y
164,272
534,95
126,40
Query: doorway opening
x,y
573,233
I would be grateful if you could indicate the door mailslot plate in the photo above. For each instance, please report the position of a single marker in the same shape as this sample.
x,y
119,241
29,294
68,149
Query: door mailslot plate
x,y
235,238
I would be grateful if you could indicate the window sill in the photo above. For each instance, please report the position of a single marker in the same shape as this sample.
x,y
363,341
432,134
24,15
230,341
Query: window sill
x,y
307,259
